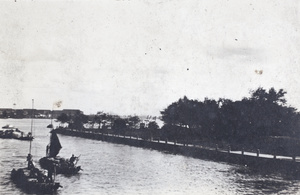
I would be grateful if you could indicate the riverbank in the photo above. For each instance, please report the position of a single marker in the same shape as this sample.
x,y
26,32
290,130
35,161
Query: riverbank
x,y
260,162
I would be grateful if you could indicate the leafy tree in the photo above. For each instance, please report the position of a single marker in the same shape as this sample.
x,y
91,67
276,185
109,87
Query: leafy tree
x,y
153,125
272,96
181,113
77,121
133,121
119,125
63,118
198,118
263,114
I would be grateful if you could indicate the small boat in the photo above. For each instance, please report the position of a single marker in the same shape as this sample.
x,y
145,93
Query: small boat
x,y
11,132
33,180
63,165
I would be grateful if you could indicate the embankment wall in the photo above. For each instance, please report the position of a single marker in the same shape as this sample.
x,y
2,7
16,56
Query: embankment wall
x,y
259,163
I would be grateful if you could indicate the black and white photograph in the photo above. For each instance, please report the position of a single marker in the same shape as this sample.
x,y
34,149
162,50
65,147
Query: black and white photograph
x,y
150,97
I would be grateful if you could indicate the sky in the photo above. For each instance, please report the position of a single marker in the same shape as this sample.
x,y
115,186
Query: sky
x,y
137,57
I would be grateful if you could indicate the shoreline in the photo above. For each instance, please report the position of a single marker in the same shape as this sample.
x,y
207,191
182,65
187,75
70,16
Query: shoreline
x,y
256,161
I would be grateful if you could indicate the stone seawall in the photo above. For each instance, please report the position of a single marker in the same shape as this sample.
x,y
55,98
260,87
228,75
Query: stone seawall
x,y
259,162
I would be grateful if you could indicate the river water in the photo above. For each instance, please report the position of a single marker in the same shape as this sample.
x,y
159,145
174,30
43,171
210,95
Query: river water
x,y
119,169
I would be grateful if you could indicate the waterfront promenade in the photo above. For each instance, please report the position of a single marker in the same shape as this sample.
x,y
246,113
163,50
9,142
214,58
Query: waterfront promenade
x,y
256,161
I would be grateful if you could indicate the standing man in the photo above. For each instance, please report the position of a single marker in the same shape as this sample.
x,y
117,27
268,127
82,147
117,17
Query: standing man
x,y
29,162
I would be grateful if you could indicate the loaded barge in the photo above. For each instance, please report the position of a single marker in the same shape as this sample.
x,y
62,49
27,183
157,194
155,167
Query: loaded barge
x,y
288,166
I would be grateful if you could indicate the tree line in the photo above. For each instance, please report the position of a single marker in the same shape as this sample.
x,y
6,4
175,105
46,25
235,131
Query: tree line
x,y
104,121
262,120
261,116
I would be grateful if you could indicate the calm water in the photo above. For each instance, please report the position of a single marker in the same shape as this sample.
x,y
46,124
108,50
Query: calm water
x,y
120,169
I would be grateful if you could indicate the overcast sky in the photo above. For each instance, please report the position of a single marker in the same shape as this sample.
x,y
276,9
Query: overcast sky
x,y
137,57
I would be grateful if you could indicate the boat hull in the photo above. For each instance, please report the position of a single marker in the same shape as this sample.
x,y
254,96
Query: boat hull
x,y
10,132
62,166
31,184
25,138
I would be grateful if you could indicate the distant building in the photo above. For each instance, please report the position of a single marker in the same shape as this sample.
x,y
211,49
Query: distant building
x,y
42,114
69,112
72,112
28,113
18,113
6,112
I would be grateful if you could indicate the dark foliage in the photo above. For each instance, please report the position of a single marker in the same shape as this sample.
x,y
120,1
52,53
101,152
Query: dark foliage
x,y
119,125
132,121
153,125
75,122
245,122
63,118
